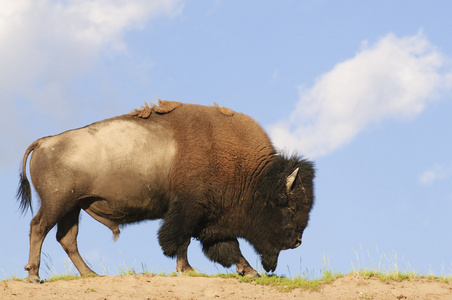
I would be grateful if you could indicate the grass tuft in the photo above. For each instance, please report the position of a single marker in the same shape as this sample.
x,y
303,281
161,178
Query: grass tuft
x,y
328,276
12,277
194,274
52,273
388,267
62,277
286,284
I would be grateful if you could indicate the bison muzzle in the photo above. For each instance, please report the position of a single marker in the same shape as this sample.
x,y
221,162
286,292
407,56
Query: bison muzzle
x,y
210,173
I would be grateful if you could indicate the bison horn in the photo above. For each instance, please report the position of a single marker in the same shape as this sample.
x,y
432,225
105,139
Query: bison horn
x,y
291,179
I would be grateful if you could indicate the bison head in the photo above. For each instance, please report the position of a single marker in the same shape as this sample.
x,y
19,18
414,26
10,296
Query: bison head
x,y
290,197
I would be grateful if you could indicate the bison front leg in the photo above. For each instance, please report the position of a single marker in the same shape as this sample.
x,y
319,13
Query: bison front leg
x,y
182,260
244,268
174,236
226,253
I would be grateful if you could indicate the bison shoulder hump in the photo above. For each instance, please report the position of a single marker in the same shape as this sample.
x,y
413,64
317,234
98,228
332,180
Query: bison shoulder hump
x,y
164,107
224,110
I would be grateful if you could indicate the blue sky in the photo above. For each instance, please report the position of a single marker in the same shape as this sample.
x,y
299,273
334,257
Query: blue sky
x,y
362,88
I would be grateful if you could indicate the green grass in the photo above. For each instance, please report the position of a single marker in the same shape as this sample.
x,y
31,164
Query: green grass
x,y
386,268
68,273
12,278
281,283
390,268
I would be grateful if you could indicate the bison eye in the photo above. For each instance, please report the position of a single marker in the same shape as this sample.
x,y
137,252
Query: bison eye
x,y
282,199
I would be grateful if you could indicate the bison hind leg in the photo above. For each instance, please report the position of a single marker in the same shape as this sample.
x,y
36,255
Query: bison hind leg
x,y
40,225
112,225
67,236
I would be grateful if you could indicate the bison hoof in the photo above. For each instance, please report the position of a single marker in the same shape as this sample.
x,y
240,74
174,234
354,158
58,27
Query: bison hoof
x,y
186,270
33,279
252,274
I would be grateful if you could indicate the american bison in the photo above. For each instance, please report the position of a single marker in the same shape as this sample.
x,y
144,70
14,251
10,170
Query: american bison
x,y
207,171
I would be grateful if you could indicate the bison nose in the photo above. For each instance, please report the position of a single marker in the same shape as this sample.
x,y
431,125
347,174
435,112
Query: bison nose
x,y
297,243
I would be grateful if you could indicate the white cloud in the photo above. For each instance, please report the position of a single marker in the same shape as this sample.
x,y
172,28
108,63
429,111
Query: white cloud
x,y
59,39
437,172
395,78
46,45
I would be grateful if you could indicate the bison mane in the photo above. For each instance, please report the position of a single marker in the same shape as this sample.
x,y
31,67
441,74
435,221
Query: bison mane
x,y
282,165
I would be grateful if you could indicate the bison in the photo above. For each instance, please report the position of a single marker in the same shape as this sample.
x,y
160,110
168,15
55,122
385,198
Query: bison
x,y
208,172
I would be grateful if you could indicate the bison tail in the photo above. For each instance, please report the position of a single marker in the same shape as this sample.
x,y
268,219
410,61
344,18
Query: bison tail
x,y
24,194
24,191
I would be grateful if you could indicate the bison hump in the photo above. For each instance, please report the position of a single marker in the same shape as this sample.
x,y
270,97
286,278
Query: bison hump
x,y
224,110
164,107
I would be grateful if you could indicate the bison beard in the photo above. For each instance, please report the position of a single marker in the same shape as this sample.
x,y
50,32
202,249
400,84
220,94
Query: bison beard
x,y
208,172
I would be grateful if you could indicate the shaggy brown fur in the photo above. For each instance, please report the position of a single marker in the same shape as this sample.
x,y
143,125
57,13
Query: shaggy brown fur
x,y
164,107
224,110
143,112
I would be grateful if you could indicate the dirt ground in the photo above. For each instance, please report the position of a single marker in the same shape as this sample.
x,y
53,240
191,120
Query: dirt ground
x,y
184,287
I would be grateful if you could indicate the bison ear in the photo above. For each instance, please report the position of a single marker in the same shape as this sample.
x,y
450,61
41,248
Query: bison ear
x,y
291,179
